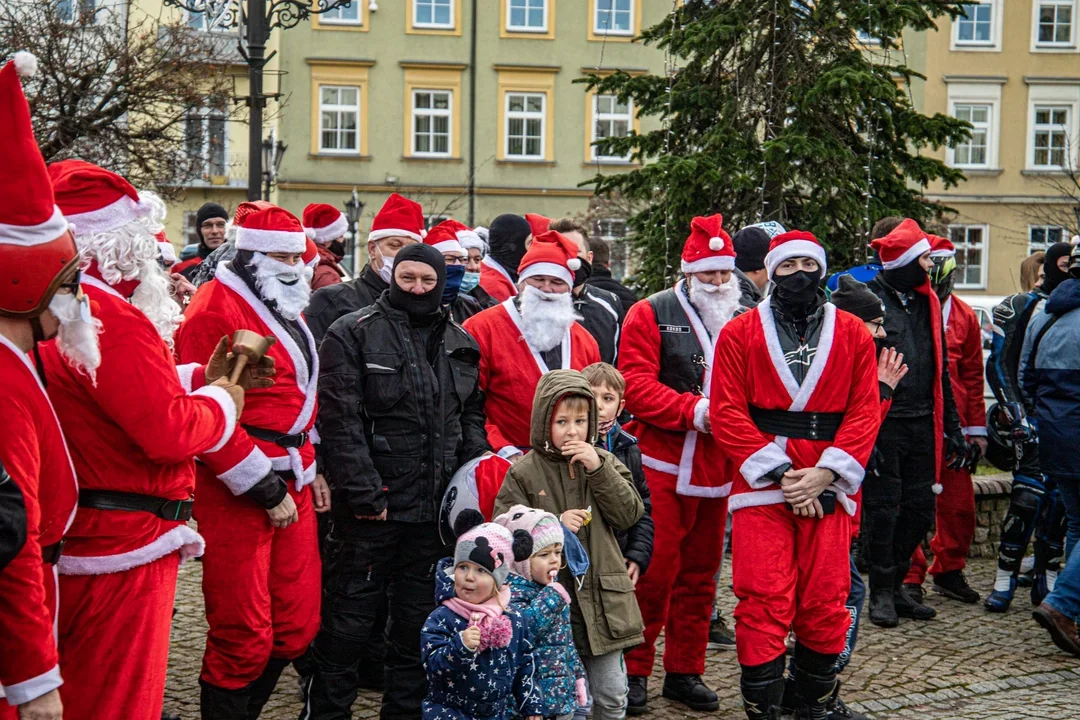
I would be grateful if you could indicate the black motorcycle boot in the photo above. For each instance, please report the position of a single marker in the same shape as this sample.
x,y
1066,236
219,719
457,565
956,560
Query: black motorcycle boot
x,y
691,691
907,607
762,688
217,703
263,687
637,699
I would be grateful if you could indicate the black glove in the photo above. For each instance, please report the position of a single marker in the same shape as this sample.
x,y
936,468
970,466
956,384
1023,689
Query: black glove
x,y
268,492
777,473
956,451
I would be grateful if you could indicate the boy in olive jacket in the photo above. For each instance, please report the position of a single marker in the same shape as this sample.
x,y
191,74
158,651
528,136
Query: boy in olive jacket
x,y
593,495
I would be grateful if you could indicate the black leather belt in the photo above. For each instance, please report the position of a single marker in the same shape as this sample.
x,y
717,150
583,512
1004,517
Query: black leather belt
x,y
280,439
798,425
133,502
50,554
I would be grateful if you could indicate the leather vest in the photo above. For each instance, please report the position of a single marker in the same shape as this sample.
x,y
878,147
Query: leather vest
x,y
682,360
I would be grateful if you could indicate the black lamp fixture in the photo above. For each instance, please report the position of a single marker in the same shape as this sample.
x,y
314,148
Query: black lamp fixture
x,y
354,208
273,150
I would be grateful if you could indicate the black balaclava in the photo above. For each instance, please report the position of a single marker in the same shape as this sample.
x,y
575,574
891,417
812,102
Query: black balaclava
x,y
337,249
207,211
583,273
421,309
798,292
506,236
854,297
751,246
1053,276
907,277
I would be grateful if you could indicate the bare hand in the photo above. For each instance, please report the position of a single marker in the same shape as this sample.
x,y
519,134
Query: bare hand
x,y
236,393
284,514
813,509
633,571
574,519
180,289
891,368
45,707
470,637
980,442
801,487
380,516
582,452
320,492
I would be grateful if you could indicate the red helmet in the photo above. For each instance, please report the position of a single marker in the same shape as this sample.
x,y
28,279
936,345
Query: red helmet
x,y
37,251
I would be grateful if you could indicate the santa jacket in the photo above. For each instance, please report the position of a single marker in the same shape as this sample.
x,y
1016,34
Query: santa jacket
x,y
35,456
327,271
669,424
510,369
963,339
495,280
135,431
750,369
220,308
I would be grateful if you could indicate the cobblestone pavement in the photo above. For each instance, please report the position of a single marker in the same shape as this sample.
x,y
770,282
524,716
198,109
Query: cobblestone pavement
x,y
965,665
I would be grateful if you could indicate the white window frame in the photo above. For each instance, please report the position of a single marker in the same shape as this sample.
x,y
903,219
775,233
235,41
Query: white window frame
x,y
600,31
431,25
1052,128
204,115
984,258
327,19
1053,46
978,94
79,11
991,45
987,127
1035,247
432,113
339,108
525,116
510,27
1053,94
609,117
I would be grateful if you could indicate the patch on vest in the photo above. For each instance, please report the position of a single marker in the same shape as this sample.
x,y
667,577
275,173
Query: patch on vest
x,y
678,329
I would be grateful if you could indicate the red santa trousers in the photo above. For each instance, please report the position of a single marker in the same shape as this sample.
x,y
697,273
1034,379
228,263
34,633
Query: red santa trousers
x,y
262,585
114,641
676,594
955,519
790,573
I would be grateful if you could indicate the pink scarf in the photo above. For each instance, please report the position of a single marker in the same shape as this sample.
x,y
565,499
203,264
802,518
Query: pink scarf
x,y
496,630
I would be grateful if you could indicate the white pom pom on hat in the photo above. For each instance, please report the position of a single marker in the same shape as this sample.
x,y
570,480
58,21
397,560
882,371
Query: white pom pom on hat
x,y
310,232
26,64
716,243
937,488
574,264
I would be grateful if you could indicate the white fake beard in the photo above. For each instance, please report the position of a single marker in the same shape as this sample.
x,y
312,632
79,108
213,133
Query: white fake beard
x,y
77,339
715,305
545,317
271,277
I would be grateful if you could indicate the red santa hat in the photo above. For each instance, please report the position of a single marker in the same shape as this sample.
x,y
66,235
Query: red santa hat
x,y
795,244
272,229
247,207
324,223
905,243
35,246
941,246
452,236
93,199
311,254
399,216
538,223
550,253
708,247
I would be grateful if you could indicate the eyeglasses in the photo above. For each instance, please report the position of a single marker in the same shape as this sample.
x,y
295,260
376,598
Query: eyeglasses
x,y
878,325
454,260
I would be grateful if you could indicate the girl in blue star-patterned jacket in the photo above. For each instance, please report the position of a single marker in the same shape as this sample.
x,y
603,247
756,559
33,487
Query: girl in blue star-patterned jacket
x,y
477,651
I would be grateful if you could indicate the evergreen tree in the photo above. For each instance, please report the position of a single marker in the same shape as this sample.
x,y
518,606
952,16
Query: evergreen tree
x,y
774,110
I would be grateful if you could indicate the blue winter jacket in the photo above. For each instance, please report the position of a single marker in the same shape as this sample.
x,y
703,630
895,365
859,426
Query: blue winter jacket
x,y
557,663
1051,381
495,684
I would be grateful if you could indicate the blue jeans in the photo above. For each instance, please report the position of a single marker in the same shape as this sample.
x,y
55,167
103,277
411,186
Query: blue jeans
x,y
854,604
1066,596
1069,489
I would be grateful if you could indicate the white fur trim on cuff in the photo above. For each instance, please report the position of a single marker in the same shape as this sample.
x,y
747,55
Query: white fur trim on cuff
x,y
848,468
185,373
114,215
701,409
794,249
35,687
242,476
228,407
182,538
30,235
550,269
332,231
767,459
716,262
508,452
268,241
394,232
975,431
910,254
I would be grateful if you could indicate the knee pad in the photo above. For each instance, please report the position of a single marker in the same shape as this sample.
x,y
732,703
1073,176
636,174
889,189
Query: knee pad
x,y
1019,523
1050,536
812,661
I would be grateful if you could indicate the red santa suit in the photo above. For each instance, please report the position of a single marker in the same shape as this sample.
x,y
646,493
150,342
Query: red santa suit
x,y
809,574
261,584
666,356
495,280
955,506
133,431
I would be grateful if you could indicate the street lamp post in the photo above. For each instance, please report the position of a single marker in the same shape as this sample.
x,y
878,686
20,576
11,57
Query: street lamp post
x,y
258,17
353,209
273,150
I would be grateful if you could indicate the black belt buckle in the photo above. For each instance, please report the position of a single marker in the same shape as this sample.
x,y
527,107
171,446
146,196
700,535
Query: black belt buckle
x,y
50,554
176,510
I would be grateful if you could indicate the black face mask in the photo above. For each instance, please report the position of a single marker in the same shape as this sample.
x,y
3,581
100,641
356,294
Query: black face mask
x,y
798,292
425,308
1054,276
906,278
583,273
337,247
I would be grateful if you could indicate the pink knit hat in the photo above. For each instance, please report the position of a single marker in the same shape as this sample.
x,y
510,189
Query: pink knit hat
x,y
543,527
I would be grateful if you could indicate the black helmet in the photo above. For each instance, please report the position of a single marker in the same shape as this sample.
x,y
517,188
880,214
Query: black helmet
x,y
1074,260
1000,451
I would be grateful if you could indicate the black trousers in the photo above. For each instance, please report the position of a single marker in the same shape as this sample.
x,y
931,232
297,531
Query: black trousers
x,y
898,503
374,562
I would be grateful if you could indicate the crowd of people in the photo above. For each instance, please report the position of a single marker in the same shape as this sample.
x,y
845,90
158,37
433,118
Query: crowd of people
x,y
482,477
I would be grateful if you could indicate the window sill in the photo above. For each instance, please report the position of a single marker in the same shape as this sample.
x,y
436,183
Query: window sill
x,y
959,47
611,163
338,156
978,171
1042,172
1054,48
524,161
432,158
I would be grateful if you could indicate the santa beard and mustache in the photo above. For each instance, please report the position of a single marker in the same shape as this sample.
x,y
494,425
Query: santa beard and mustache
x,y
287,286
77,338
546,317
715,304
